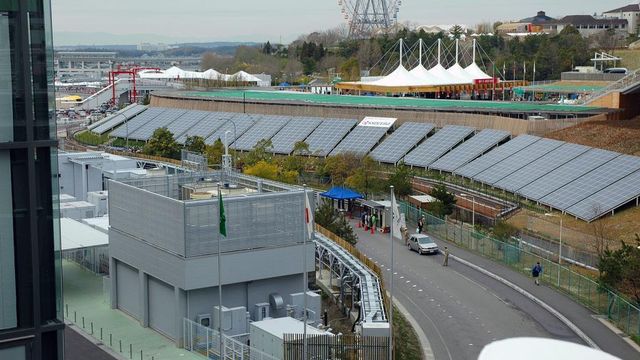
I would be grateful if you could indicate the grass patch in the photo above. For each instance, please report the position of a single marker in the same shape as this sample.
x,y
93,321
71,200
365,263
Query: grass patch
x,y
630,58
407,346
89,138
137,144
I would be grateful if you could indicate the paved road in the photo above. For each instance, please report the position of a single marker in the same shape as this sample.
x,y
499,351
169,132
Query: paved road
x,y
77,347
458,308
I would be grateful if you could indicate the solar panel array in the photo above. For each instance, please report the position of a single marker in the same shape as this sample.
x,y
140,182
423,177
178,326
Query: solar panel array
x,y
205,126
236,127
398,144
516,161
186,122
437,145
137,122
495,156
566,173
296,130
541,166
582,181
265,128
360,140
165,118
592,182
327,136
608,199
470,149
116,119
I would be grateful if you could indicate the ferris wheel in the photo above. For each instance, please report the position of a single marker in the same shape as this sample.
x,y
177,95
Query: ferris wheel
x,y
365,17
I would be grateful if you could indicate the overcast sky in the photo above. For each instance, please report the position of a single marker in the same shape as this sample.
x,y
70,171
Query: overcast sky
x,y
106,21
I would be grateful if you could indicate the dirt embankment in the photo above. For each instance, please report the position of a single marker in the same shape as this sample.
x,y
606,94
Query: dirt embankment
x,y
616,135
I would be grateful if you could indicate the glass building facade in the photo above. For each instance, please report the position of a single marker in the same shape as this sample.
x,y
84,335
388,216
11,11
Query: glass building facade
x,y
31,323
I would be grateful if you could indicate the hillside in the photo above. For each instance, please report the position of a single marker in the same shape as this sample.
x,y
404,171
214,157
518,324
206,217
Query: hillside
x,y
621,135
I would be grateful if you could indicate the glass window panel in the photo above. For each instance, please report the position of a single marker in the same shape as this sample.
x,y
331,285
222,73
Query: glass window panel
x,y
6,92
8,313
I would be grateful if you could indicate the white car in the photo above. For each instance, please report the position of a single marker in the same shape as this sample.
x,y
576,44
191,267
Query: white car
x,y
422,244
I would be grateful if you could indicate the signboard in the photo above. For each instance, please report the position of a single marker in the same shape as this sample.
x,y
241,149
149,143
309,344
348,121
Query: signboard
x,y
377,122
486,81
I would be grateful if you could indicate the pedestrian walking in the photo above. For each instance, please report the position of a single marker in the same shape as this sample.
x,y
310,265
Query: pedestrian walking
x,y
374,219
362,219
366,222
446,257
535,272
405,234
420,225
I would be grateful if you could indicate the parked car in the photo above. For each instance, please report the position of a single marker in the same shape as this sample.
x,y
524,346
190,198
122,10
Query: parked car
x,y
422,244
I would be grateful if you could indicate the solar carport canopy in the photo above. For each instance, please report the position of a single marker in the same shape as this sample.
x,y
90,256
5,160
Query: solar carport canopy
x,y
470,149
398,144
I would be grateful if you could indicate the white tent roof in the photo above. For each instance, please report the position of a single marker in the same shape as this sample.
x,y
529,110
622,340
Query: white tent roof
x,y
244,76
211,74
423,74
475,72
444,77
399,77
174,71
456,71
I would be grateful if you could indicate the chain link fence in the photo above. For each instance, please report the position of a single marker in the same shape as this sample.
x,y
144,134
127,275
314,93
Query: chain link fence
x,y
622,312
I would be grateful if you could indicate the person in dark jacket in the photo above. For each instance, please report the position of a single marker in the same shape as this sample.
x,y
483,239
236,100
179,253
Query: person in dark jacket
x,y
535,272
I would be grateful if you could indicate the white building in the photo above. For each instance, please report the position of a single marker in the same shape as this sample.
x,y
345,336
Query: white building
x,y
631,13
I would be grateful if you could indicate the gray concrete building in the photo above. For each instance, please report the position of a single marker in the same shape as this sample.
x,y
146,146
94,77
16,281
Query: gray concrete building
x,y
163,241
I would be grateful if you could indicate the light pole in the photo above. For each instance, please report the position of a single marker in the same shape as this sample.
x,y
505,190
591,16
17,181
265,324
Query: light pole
x,y
560,246
473,208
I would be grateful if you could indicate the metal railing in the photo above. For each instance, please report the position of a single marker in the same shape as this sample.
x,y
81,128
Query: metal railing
x,y
350,346
619,310
206,341
631,79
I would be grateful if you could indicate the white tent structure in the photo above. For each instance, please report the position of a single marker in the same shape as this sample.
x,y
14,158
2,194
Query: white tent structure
x,y
400,76
175,73
422,73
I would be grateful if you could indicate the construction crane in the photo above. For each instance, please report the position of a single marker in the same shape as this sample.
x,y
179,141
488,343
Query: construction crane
x,y
367,17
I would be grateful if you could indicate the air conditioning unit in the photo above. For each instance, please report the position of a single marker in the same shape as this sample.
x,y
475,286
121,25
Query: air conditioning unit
x,y
204,320
261,311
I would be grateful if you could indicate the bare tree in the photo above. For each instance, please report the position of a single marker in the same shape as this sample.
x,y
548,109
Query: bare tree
x,y
600,229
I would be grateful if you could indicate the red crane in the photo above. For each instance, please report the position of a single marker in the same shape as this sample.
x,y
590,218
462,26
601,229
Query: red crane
x,y
132,72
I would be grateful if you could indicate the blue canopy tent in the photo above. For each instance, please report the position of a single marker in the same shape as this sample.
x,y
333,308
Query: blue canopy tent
x,y
341,194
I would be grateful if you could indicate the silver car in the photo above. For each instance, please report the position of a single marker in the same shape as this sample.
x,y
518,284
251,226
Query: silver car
x,y
423,244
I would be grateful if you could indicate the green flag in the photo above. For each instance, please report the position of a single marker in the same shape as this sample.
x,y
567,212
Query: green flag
x,y
223,219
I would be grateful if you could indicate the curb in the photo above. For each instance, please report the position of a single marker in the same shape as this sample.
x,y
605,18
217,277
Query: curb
x,y
422,337
99,344
615,330
531,297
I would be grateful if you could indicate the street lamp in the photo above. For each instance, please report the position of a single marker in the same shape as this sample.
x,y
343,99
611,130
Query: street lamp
x,y
560,246
473,208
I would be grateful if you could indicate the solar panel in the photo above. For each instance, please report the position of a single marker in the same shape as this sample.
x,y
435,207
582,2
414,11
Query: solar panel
x,y
146,131
437,145
205,126
496,155
469,150
135,123
398,144
360,140
296,130
265,128
541,166
516,161
592,182
566,173
116,119
237,126
608,199
326,136
182,124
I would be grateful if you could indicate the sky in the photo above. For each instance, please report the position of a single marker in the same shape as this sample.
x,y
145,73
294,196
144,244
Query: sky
x,y
133,21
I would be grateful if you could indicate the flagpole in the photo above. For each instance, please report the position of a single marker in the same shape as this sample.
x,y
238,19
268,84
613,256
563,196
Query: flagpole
x,y
391,282
304,273
219,275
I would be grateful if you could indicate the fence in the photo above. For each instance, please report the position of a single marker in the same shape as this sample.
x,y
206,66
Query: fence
x,y
346,347
109,337
205,341
94,259
583,289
